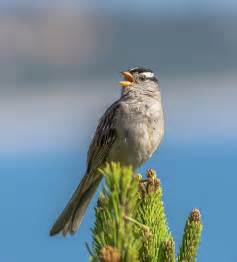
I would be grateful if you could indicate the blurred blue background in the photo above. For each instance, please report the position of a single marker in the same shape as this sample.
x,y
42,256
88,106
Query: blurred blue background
x,y
60,64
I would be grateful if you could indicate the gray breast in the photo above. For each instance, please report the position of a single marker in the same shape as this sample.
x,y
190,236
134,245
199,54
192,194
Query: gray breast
x,y
140,128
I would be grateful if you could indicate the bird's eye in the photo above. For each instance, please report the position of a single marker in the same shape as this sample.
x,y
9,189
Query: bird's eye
x,y
142,78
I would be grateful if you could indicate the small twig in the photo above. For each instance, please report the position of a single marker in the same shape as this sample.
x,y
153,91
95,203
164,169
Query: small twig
x,y
136,223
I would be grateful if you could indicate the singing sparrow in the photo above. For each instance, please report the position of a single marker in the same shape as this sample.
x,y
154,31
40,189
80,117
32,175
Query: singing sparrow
x,y
129,132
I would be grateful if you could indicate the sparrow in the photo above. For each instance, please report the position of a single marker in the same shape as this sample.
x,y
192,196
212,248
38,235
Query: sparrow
x,y
129,132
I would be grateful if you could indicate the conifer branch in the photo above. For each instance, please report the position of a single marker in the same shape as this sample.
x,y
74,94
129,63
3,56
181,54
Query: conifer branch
x,y
131,224
113,235
191,237
150,211
169,250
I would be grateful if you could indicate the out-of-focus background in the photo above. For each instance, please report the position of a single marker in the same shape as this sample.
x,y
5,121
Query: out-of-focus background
x,y
59,70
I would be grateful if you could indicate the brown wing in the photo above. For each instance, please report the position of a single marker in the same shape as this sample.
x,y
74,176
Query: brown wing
x,y
105,135
104,138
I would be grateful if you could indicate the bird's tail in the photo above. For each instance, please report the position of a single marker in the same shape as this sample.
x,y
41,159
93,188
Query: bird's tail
x,y
72,215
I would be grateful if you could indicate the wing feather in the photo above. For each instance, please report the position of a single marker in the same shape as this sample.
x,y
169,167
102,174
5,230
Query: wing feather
x,y
104,138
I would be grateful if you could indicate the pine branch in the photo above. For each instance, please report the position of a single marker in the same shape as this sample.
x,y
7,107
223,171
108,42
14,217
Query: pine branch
x,y
113,235
191,237
169,251
150,212
131,224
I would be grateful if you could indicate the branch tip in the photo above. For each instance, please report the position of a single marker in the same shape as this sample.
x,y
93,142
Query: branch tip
x,y
195,215
110,254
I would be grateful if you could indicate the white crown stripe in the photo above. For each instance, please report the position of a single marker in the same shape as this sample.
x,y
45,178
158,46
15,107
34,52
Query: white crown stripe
x,y
148,74
134,68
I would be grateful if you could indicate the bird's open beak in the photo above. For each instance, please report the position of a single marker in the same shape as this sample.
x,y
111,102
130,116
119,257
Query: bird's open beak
x,y
128,79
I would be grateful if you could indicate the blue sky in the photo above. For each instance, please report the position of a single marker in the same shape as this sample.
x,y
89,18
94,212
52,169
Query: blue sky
x,y
45,132
35,187
44,140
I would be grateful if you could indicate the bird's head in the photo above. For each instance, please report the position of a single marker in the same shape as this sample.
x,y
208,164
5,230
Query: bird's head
x,y
138,78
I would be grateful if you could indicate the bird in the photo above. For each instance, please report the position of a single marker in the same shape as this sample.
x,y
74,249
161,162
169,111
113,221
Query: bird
x,y
129,132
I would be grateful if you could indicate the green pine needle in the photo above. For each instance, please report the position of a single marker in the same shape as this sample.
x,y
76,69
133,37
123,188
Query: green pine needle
x,y
191,237
169,250
131,224
150,212
111,229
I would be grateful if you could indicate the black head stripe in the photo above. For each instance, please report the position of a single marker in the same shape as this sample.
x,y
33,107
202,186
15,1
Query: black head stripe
x,y
140,70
